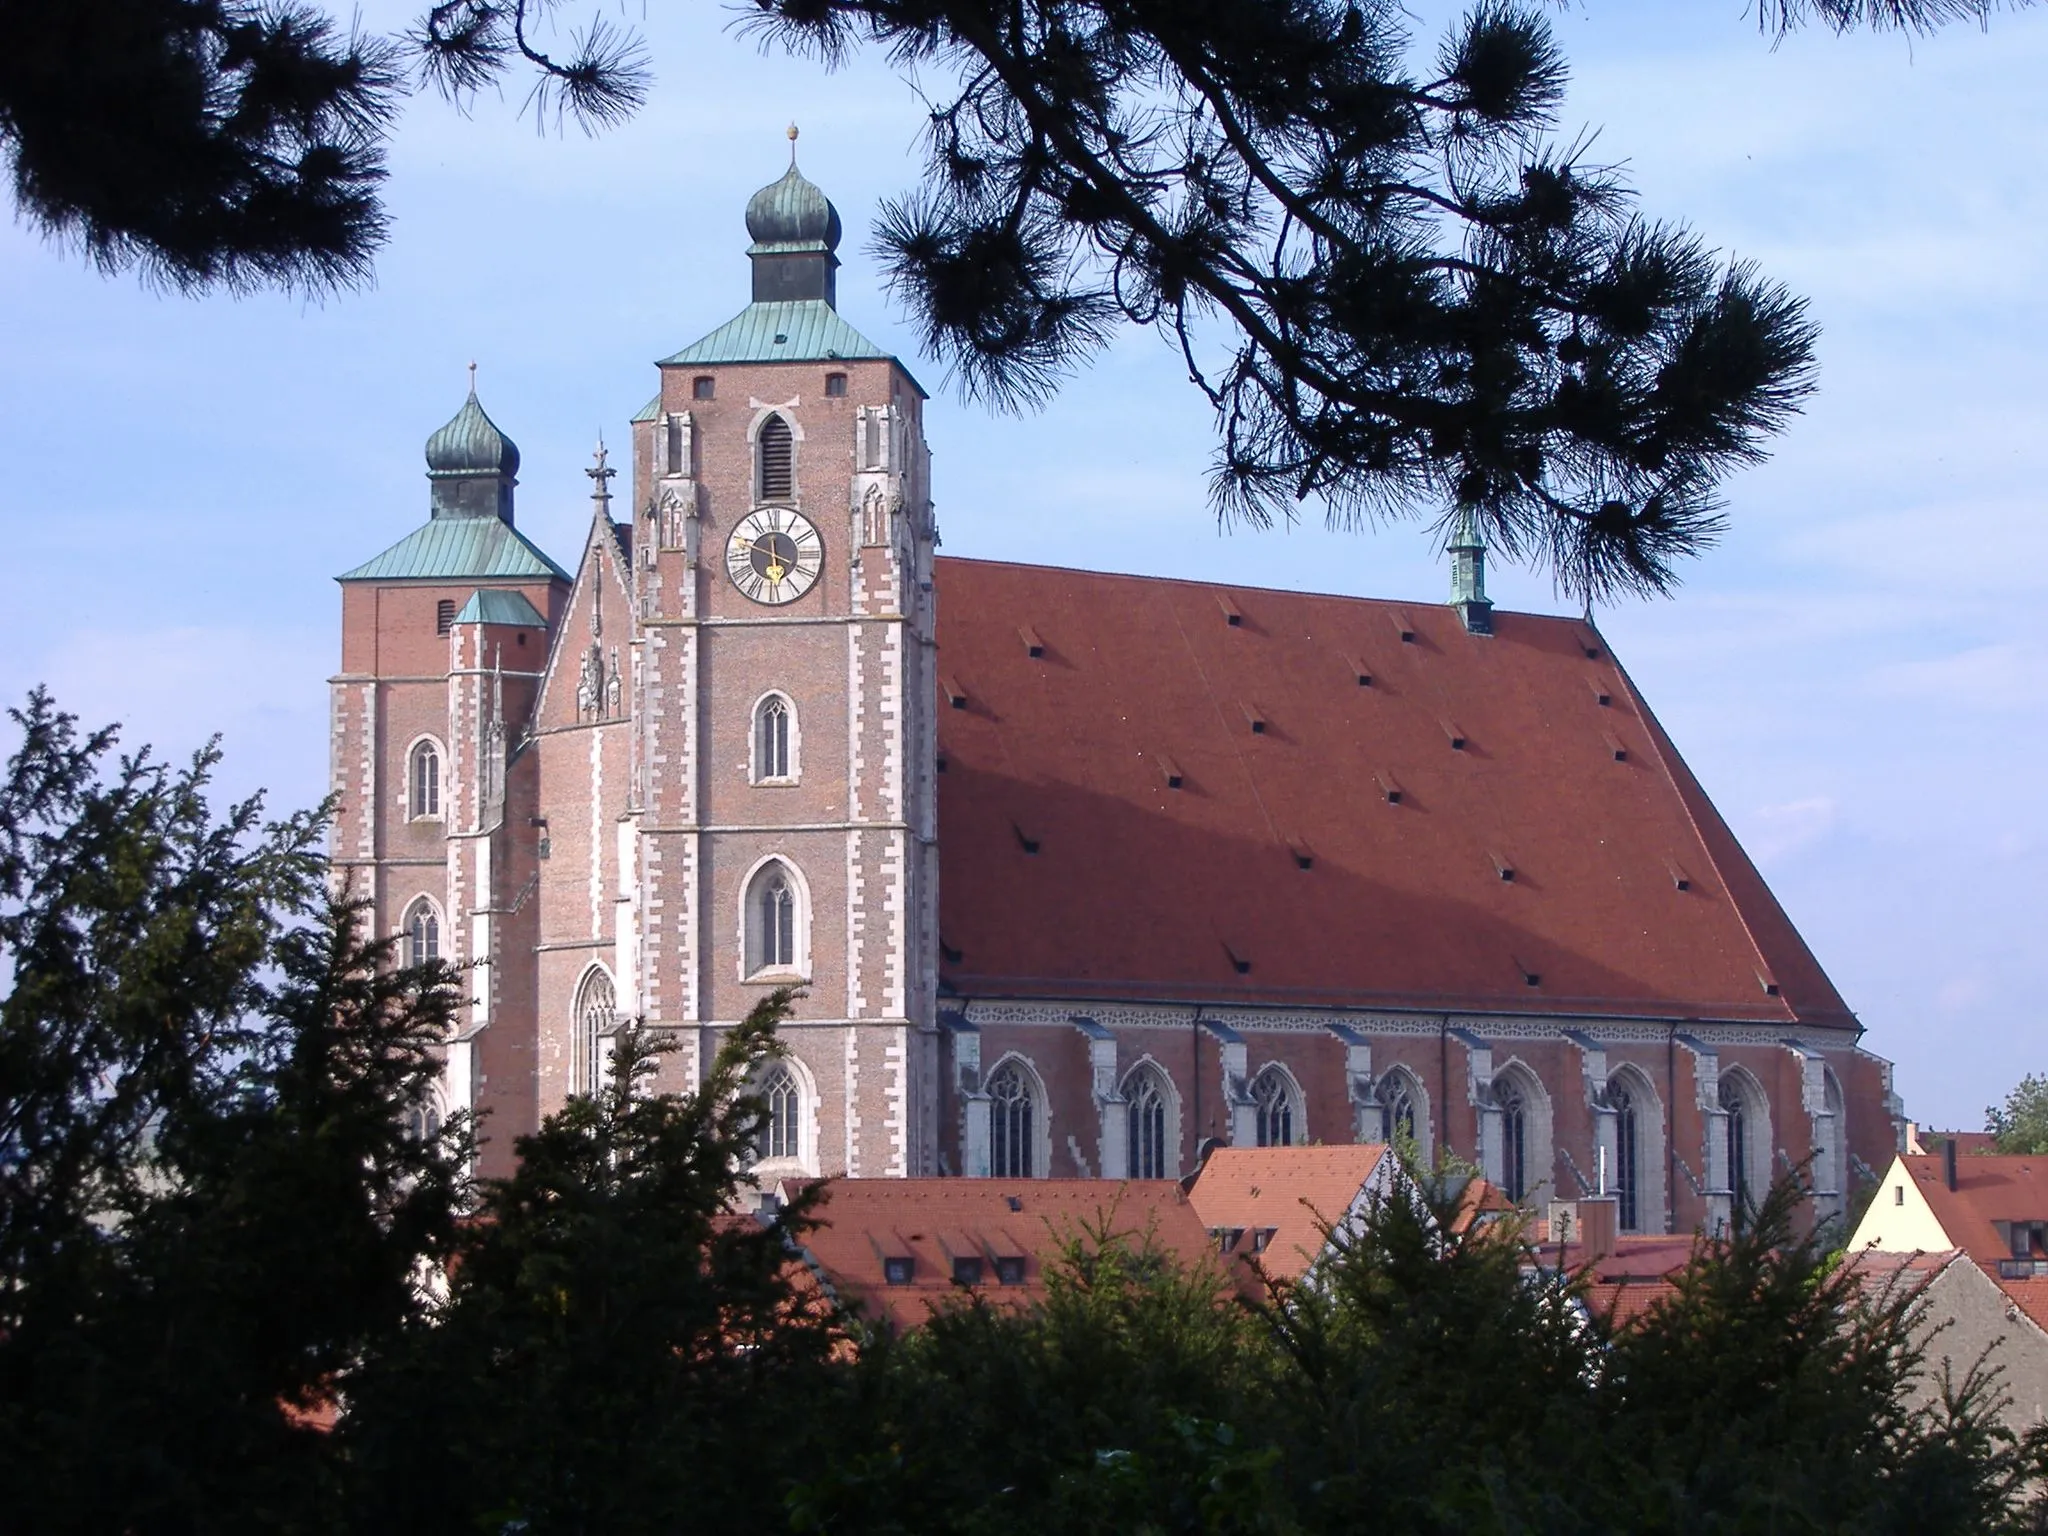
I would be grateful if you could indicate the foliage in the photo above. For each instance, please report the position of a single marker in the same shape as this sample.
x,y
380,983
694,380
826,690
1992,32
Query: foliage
x,y
2020,1124
617,1345
211,1199
212,143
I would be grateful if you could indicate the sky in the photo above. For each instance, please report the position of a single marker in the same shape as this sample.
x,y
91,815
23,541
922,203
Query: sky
x,y
1857,673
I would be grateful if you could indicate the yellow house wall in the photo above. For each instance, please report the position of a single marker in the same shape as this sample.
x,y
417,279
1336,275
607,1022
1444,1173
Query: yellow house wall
x,y
1900,1225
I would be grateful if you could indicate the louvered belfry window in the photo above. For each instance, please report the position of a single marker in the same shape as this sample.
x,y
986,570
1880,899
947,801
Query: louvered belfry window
x,y
778,460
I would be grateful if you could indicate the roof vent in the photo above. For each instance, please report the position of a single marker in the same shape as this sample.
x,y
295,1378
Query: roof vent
x,y
1403,628
1231,613
955,694
1589,643
1238,963
1033,646
1601,695
1502,864
1614,745
1529,978
1770,987
1360,671
1014,1202
942,765
1679,877
1170,769
952,956
1390,787
1027,843
1255,717
1304,856
1456,736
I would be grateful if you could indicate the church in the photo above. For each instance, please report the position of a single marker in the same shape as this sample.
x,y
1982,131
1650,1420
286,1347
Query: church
x,y
1079,874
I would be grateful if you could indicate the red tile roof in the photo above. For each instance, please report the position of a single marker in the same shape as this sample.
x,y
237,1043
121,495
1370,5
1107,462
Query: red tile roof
x,y
1141,890
1281,1198
933,1223
1988,1190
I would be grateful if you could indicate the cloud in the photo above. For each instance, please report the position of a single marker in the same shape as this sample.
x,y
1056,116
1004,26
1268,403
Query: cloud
x,y
1779,830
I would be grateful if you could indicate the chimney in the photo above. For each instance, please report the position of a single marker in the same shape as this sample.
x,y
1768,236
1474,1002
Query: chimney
x,y
1948,1160
1599,1222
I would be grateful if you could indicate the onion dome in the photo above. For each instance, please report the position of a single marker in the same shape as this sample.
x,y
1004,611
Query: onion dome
x,y
791,214
471,444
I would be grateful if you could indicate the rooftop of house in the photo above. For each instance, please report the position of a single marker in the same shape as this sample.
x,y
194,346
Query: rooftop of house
x,y
1279,1202
1990,1195
1207,792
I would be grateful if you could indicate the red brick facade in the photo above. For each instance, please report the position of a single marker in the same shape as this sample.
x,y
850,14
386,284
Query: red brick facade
x,y
1161,815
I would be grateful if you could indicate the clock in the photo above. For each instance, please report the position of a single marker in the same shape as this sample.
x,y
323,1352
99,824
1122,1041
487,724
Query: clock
x,y
775,555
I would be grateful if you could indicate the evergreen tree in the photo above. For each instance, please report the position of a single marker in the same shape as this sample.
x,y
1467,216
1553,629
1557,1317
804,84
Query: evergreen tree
x,y
214,1193
620,1349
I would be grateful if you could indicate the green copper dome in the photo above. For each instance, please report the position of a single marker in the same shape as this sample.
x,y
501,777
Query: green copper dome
x,y
471,444
792,215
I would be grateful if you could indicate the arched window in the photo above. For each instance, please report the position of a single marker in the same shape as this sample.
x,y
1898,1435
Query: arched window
x,y
591,1030
1746,1133
1145,1120
782,1124
774,757
777,448
1514,1138
771,917
422,933
1013,1123
1278,1113
1397,1099
1830,1176
1628,1168
425,781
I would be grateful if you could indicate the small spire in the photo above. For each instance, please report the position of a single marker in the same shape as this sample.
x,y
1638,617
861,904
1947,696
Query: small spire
x,y
1467,549
472,379
601,476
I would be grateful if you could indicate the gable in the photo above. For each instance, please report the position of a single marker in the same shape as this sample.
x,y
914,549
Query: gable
x,y
1900,1219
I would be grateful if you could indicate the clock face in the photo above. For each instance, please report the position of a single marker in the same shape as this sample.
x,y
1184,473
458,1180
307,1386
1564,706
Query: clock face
x,y
775,555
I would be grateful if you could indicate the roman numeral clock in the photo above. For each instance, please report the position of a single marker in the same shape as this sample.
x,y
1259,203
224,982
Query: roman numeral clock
x,y
774,555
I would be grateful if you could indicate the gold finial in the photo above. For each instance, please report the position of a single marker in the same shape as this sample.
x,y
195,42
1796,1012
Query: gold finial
x,y
792,144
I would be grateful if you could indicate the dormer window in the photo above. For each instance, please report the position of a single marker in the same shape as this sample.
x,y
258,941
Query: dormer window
x,y
777,453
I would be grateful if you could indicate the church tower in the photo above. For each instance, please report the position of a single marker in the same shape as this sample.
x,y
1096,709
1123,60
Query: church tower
x,y
737,730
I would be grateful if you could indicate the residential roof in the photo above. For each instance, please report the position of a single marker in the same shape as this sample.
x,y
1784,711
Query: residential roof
x,y
495,605
1988,1190
1236,794
1282,1199
934,1222
460,549
781,331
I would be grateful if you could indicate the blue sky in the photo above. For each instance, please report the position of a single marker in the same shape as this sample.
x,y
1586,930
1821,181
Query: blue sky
x,y
1858,673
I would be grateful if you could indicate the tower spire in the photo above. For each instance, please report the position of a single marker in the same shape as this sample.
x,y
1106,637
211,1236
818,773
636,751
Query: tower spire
x,y
1467,549
601,475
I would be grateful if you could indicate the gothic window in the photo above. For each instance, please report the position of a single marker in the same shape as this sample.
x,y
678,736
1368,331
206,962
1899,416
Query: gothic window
x,y
425,780
777,450
591,1029
1514,1138
1398,1100
774,721
1145,1119
1273,1095
422,933
1013,1123
444,615
1628,1171
771,918
782,1103
1746,1134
